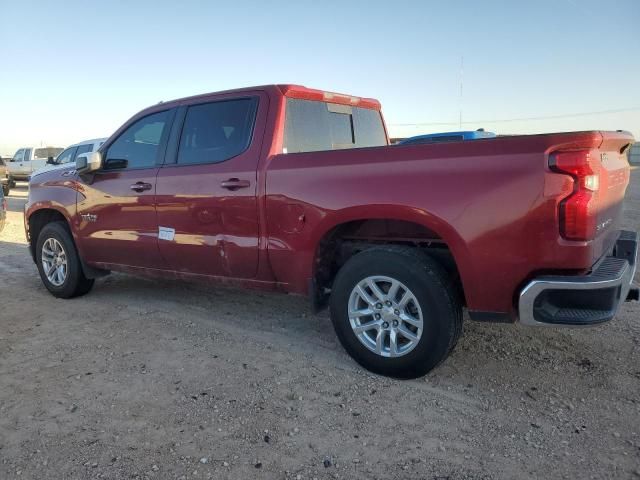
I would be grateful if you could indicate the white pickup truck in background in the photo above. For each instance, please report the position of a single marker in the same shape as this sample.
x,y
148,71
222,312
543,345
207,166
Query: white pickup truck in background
x,y
27,160
69,155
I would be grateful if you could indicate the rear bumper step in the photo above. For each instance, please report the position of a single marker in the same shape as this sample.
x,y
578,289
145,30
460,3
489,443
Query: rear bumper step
x,y
583,300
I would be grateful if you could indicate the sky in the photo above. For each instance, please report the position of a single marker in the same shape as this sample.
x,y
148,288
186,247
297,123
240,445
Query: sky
x,y
71,70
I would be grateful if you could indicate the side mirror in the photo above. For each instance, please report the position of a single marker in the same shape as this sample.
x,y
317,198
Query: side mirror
x,y
50,161
88,162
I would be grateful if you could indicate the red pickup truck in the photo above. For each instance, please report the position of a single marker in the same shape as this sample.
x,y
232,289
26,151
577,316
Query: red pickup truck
x,y
287,188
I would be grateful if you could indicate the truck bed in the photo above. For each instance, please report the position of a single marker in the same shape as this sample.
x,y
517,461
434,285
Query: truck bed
x,y
493,202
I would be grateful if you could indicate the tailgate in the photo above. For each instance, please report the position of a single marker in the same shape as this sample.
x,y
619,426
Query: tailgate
x,y
590,208
614,178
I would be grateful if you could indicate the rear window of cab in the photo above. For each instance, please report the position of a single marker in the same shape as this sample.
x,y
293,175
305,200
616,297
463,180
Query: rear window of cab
x,y
313,126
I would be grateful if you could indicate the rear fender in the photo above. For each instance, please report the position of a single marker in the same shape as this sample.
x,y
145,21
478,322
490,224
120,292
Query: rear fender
x,y
372,212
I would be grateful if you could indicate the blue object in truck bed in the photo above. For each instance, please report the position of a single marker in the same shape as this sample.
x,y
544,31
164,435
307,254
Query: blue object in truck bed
x,y
447,137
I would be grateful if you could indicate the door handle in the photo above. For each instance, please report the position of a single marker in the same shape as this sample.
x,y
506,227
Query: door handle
x,y
235,183
140,187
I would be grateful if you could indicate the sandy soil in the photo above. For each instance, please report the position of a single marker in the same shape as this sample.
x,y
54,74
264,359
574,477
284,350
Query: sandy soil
x,y
143,379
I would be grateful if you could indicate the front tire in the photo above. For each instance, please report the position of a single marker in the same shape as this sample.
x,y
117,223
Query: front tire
x,y
59,264
396,311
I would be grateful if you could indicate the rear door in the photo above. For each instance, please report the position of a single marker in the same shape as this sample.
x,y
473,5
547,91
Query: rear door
x,y
118,216
27,166
206,193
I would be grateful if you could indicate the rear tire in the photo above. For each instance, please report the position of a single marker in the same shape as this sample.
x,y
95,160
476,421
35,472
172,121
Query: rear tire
x,y
56,251
407,296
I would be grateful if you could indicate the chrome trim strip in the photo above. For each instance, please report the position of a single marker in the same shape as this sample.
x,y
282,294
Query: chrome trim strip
x,y
531,291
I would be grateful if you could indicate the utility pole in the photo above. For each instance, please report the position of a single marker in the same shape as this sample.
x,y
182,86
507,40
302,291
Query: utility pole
x,y
461,78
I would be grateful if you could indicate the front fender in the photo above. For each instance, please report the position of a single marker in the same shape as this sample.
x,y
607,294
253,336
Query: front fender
x,y
52,197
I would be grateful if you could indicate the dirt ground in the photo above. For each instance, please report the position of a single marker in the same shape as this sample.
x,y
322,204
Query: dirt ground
x,y
144,379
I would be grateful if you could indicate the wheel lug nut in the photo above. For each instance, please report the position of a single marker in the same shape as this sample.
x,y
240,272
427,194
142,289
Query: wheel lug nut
x,y
378,306
385,325
377,316
395,323
396,312
388,303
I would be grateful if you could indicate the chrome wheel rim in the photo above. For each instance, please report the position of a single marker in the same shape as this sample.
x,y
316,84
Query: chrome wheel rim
x,y
54,262
385,316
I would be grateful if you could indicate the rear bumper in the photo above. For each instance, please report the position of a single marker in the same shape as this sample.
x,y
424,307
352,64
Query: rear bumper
x,y
583,300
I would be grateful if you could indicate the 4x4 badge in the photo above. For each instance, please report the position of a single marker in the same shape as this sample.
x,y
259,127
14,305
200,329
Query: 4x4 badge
x,y
89,217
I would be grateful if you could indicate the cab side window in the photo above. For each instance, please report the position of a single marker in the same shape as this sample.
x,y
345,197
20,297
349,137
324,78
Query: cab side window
x,y
139,145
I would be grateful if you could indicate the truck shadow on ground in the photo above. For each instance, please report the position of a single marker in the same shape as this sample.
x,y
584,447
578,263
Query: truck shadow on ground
x,y
495,352
485,350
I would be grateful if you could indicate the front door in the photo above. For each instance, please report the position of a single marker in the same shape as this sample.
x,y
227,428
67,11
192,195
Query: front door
x,y
118,224
19,166
206,190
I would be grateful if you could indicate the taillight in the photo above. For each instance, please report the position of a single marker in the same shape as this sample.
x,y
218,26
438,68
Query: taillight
x,y
578,212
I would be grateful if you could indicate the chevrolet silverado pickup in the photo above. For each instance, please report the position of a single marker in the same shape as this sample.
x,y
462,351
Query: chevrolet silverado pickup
x,y
297,190
27,160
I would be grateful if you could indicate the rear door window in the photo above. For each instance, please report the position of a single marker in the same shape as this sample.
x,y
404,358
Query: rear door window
x,y
84,148
312,126
217,131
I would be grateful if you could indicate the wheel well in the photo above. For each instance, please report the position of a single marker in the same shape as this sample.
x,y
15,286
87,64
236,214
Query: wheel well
x,y
37,221
347,239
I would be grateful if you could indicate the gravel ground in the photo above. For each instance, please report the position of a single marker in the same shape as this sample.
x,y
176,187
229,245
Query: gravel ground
x,y
153,379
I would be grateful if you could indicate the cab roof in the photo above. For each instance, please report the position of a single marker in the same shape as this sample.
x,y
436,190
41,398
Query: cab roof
x,y
293,91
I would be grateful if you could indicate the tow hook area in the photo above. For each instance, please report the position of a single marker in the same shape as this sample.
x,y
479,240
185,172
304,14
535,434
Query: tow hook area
x,y
634,294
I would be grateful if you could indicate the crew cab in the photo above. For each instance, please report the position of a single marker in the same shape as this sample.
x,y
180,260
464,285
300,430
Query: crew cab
x,y
28,159
292,189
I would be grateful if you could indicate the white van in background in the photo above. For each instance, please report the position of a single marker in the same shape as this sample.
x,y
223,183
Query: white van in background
x,y
69,154
27,160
